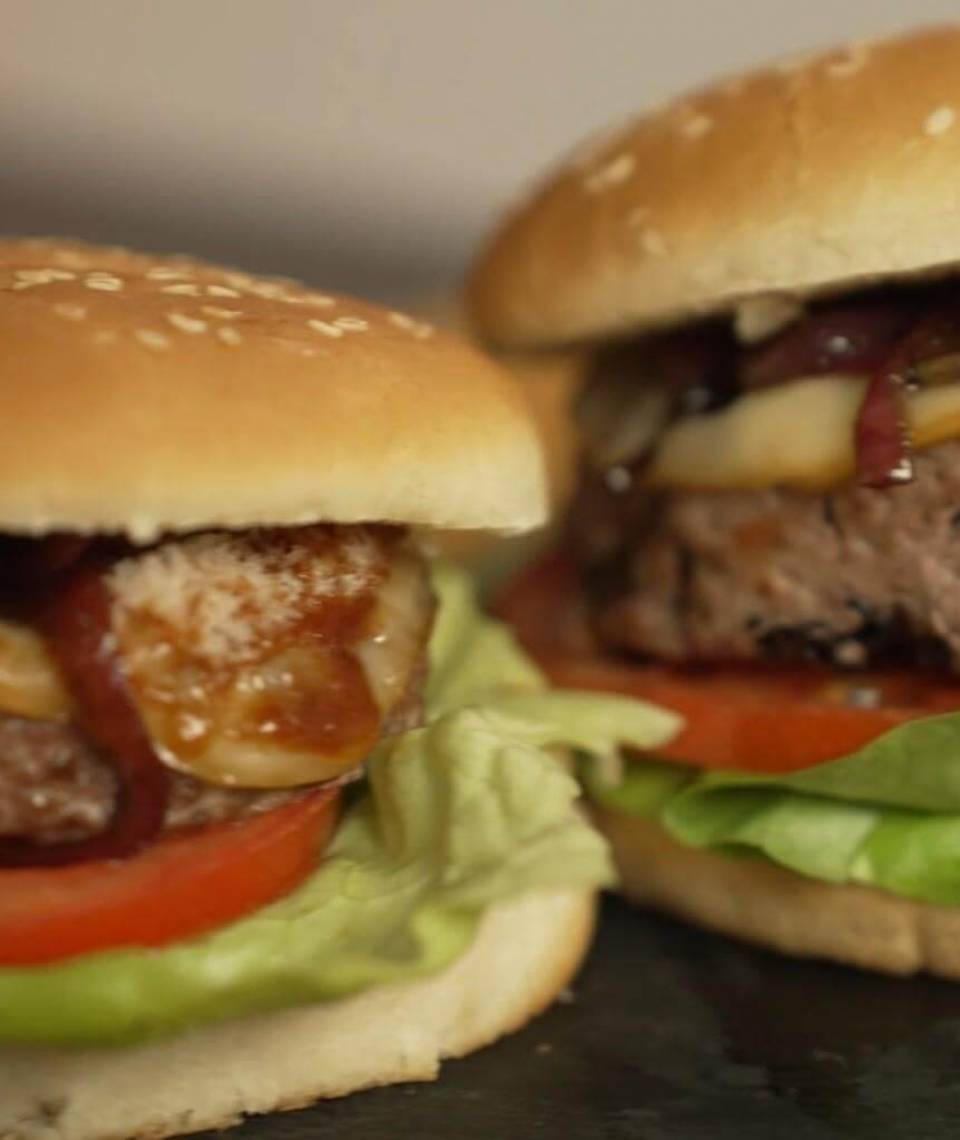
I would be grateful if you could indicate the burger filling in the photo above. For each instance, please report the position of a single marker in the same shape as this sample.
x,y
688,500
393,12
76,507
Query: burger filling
x,y
466,801
244,667
794,499
766,542
853,578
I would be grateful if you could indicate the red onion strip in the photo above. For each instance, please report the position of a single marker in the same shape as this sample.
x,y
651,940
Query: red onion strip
x,y
881,435
77,622
844,338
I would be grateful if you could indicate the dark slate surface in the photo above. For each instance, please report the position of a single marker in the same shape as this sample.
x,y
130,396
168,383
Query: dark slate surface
x,y
677,1035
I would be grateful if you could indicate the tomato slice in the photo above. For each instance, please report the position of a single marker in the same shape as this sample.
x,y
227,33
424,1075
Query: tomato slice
x,y
755,719
181,886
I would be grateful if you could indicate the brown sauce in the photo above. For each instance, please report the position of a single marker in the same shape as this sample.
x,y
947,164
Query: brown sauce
x,y
302,690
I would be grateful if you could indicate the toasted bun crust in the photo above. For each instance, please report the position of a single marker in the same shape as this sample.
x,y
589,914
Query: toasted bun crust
x,y
526,952
144,394
766,904
805,178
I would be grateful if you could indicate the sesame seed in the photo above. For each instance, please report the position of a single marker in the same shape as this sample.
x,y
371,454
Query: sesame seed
x,y
612,173
221,291
157,341
351,324
418,329
103,282
324,327
239,280
850,63
637,216
653,242
269,290
318,300
70,312
105,336
187,324
27,278
586,154
221,314
794,63
182,289
166,273
940,121
696,126
228,336
733,87
842,68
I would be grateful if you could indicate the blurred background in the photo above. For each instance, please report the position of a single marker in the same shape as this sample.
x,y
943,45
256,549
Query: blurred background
x,y
364,146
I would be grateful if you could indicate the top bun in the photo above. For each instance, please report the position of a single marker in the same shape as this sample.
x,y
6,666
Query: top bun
x,y
805,178
142,394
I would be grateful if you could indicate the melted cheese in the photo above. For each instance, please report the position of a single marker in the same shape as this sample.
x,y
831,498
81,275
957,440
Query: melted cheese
x,y
799,434
29,682
269,664
200,627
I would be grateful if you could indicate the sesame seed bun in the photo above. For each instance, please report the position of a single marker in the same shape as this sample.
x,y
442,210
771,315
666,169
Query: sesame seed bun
x,y
144,394
763,903
805,178
525,953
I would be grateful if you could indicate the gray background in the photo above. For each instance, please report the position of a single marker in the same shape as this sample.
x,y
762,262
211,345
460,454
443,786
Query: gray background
x,y
362,144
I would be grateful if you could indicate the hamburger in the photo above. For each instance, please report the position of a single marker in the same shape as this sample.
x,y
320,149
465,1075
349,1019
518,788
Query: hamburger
x,y
281,814
764,536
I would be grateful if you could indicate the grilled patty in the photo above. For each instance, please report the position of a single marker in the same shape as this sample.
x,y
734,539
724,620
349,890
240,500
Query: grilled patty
x,y
53,787
857,577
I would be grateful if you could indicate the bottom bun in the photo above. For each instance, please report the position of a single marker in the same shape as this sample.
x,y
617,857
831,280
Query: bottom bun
x,y
524,954
763,903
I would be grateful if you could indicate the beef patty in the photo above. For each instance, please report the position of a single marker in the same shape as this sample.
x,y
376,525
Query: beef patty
x,y
54,788
857,577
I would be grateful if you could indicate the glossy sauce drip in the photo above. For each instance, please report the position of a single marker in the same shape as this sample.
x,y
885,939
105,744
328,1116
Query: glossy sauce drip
x,y
294,708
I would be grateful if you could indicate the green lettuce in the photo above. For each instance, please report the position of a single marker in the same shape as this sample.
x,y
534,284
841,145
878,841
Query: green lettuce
x,y
887,816
470,809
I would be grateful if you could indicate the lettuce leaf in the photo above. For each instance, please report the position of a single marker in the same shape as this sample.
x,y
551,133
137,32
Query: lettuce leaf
x,y
886,816
470,809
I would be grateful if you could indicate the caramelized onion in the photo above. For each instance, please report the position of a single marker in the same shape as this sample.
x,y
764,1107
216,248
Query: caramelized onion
x,y
76,619
882,439
937,371
899,341
929,355
926,355
33,561
843,338
635,391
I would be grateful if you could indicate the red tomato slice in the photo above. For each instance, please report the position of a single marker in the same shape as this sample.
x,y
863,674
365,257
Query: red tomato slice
x,y
185,884
755,719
